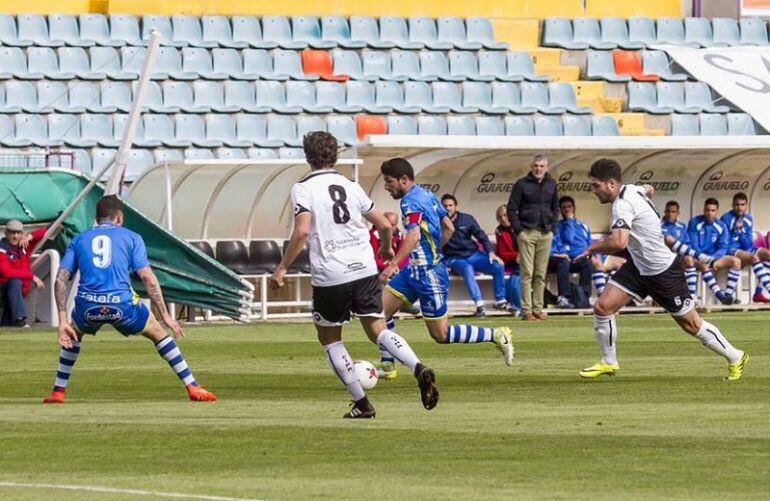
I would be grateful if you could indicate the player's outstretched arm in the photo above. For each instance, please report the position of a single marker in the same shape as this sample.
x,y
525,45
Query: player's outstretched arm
x,y
296,243
615,242
385,229
447,229
152,286
66,333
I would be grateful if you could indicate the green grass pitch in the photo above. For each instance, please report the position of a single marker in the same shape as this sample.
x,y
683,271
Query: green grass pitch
x,y
666,427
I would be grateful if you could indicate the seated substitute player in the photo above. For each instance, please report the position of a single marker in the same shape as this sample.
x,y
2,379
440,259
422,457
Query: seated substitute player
x,y
574,236
105,255
741,226
425,278
328,211
672,227
652,270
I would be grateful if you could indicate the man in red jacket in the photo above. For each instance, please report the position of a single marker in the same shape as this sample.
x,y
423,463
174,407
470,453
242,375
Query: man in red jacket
x,y
398,239
16,272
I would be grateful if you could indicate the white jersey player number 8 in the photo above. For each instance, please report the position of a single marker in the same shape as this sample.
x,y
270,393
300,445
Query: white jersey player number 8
x,y
101,246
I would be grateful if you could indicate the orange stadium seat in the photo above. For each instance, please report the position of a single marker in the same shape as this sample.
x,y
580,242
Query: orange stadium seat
x,y
319,62
368,124
628,63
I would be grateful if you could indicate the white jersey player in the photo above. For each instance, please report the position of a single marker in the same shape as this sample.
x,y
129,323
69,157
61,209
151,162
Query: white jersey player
x,y
329,210
652,270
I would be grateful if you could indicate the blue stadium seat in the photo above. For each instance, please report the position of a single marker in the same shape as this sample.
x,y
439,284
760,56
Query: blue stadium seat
x,y
231,154
33,128
479,95
463,64
348,62
287,62
726,32
198,154
519,126
333,95
336,29
398,125
600,66
479,29
434,64
273,95
697,30
520,65
43,60
180,95
460,126
576,125
187,30
671,31
81,161
137,162
447,95
431,126
738,124
64,27
153,99
243,96
494,66
392,94
363,94
98,127
753,31
95,27
423,30
228,62
406,66
119,122
586,30
74,60
169,62
535,95
656,62
684,125
260,62
283,129
307,29
162,156
393,29
604,126
278,29
5,107
101,157
615,30
117,95
343,128
9,34
642,96
712,124
192,128
161,128
254,128
198,61
261,153
671,95
8,131
66,128
557,32
15,65
302,95
490,126
23,95
34,27
376,65
562,95
54,94
642,30
107,60
161,24
217,32
132,59
419,94
548,126
288,153
87,95
366,29
307,124
124,30
508,95
698,95
211,95
223,128
451,30
247,29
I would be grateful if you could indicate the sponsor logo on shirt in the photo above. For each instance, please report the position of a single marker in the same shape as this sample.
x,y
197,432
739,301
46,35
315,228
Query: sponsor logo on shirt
x,y
103,314
99,298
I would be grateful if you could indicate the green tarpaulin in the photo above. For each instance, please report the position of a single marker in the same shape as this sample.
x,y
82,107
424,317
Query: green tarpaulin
x,y
186,274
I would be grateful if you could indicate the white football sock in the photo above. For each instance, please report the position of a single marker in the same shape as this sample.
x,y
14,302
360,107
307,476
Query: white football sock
x,y
712,338
606,335
342,365
398,348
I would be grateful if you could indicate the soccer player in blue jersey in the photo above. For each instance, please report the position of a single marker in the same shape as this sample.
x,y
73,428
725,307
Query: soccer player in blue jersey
x,y
105,256
425,278
672,227
741,226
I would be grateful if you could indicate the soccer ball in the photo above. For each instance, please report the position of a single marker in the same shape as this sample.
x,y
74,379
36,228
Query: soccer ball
x,y
367,374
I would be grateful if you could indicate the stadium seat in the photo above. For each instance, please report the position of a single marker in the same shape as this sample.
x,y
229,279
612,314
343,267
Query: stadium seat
x,y
628,63
697,30
211,95
179,95
370,125
106,60
392,94
615,30
600,66
55,95
508,95
201,245
406,66
519,126
457,125
222,128
431,126
656,62
254,128
671,32
307,124
198,154
87,95
332,96
447,95
548,126
187,30
576,125
133,57
292,153
419,94
642,96
259,62
712,124
434,64
366,29
490,126
234,255
197,60
753,31
393,29
562,95
8,132
423,30
231,153
273,95
377,67
242,95
738,124
278,29
217,32
33,128
671,95
161,128
336,29
397,125
586,31
228,62
479,95
15,65
698,94
137,162
726,32
81,161
642,30
283,129
98,127
362,94
302,95
479,30
119,122
261,153
348,62
100,157
95,27
74,60
169,62
451,30
43,61
465,65
343,128
493,66
9,34
247,29
20,95
264,256
684,125
288,62
153,99
34,27
306,29
535,95
161,24
9,108
557,32
520,65
66,128
64,27
604,126
124,29
191,128
116,95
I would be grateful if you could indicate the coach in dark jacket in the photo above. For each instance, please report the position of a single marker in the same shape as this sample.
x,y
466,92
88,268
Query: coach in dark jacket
x,y
533,210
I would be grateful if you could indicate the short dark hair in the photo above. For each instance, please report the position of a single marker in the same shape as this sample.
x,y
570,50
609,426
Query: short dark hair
x,y
320,149
672,203
740,196
566,198
711,201
397,168
447,196
605,169
108,207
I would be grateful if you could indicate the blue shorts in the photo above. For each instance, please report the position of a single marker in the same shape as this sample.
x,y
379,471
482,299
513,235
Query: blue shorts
x,y
128,318
429,285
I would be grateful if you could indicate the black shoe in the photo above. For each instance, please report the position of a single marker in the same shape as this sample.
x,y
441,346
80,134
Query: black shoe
x,y
503,305
360,409
426,380
21,322
480,312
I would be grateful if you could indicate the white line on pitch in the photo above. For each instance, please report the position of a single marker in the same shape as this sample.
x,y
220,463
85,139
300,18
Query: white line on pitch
x,y
111,490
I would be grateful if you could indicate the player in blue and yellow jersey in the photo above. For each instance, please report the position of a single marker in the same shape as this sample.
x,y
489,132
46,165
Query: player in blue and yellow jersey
x,y
741,226
677,230
105,256
425,277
